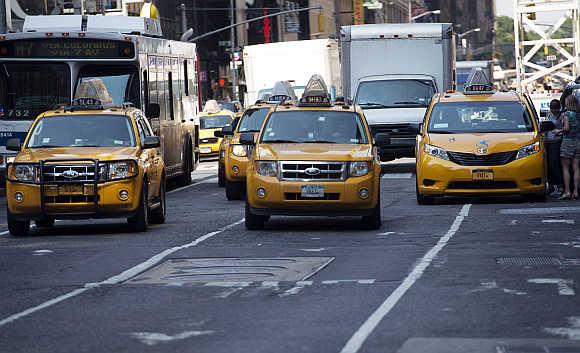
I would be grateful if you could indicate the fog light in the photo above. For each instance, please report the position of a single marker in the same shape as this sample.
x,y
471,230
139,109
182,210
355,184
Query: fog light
x,y
123,195
261,192
18,197
235,169
363,193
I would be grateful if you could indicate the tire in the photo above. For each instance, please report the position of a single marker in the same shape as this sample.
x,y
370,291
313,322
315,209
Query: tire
x,y
157,216
221,176
373,221
140,221
185,178
252,221
422,199
18,228
45,223
539,197
234,190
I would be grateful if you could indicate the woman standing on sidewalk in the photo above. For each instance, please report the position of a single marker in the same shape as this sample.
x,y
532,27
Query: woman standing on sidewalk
x,y
553,142
570,149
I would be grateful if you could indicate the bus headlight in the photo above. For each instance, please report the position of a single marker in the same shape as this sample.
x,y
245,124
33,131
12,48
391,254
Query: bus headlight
x,y
117,170
27,173
358,169
436,152
528,150
239,151
267,168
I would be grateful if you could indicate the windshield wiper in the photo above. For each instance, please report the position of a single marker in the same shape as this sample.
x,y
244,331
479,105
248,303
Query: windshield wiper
x,y
320,141
46,146
411,103
280,141
373,104
87,146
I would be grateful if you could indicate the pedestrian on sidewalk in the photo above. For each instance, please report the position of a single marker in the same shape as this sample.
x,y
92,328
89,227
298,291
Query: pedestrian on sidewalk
x,y
570,148
553,140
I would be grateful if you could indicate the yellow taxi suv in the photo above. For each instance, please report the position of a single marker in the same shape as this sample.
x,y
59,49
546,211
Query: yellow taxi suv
x,y
313,159
233,160
211,121
480,142
86,161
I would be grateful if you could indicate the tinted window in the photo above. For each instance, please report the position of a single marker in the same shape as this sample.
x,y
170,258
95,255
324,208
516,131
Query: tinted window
x,y
395,94
252,119
479,117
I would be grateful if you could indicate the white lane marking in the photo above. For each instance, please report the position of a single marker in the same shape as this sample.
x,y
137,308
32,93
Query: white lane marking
x,y
153,338
544,210
565,221
359,281
355,343
296,289
387,233
513,291
314,250
194,183
565,286
209,181
41,252
397,176
123,276
4,232
571,333
514,222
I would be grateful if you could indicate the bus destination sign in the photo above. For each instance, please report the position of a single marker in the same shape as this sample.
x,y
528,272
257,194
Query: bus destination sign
x,y
67,48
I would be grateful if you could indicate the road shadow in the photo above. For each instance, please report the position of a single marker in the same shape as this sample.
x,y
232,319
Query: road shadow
x,y
84,229
405,165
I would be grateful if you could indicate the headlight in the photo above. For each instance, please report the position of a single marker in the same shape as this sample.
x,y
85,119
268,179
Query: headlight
x,y
27,173
528,150
117,170
436,152
267,168
239,151
358,169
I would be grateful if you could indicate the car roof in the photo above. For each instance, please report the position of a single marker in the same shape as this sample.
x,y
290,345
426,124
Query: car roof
x,y
106,111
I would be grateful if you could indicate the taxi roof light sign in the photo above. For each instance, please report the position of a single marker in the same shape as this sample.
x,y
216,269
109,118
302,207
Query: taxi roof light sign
x,y
315,94
85,103
478,83
282,92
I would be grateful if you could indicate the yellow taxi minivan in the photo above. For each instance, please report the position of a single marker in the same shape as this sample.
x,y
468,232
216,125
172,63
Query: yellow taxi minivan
x,y
480,142
86,161
313,158
212,119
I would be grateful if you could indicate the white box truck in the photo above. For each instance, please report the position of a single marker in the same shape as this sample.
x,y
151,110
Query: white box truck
x,y
296,61
392,71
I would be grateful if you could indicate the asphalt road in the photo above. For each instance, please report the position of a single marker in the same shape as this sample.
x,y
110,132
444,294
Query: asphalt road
x,y
469,276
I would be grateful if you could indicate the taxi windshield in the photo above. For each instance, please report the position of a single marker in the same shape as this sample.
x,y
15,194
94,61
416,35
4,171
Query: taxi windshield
x,y
214,121
82,131
479,117
311,126
252,120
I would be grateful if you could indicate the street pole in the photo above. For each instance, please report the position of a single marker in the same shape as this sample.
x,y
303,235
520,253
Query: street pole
x,y
183,18
233,49
410,11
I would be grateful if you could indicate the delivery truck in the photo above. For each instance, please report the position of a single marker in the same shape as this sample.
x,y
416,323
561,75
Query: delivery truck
x,y
391,71
295,61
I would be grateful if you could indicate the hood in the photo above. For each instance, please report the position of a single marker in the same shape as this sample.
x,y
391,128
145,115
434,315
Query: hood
x,y
313,152
394,115
468,143
100,153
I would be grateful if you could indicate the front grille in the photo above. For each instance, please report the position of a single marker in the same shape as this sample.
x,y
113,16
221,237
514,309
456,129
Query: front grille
x,y
396,130
68,173
209,140
70,199
487,185
296,196
469,159
305,171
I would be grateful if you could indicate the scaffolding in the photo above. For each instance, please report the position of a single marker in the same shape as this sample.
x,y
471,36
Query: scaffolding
x,y
563,66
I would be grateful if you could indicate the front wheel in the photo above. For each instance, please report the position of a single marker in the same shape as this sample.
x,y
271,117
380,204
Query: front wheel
x,y
140,221
422,199
17,228
373,221
221,176
252,221
158,214
234,190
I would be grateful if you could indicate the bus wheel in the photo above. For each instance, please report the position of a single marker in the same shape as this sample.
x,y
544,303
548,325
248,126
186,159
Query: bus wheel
x,y
185,178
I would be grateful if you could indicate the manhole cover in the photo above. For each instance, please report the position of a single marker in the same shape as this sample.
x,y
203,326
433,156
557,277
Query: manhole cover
x,y
485,345
529,260
233,270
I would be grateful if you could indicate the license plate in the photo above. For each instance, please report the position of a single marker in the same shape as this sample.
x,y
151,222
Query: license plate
x,y
205,150
482,175
70,189
312,191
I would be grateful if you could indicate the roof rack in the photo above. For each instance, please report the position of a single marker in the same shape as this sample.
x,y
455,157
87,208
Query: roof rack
x,y
478,83
315,94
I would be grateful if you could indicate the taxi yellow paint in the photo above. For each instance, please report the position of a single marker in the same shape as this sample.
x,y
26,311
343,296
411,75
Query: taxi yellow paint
x,y
439,177
140,197
209,145
342,197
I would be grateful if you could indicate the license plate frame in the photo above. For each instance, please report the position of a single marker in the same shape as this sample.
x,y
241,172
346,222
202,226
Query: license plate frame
x,y
312,191
71,189
482,175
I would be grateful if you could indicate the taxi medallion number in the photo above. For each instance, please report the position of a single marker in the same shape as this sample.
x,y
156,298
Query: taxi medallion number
x,y
482,175
312,191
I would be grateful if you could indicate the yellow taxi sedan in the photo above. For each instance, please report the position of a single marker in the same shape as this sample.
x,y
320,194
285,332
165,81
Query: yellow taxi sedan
x,y
480,142
209,123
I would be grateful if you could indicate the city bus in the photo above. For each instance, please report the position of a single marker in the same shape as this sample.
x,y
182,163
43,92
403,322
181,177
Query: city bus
x,y
116,59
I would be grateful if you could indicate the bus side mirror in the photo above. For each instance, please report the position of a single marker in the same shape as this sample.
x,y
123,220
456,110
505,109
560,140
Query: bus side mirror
x,y
152,111
547,126
247,138
151,142
13,145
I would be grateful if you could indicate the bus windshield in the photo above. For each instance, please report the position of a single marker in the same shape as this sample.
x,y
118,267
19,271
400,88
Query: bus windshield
x,y
111,85
28,89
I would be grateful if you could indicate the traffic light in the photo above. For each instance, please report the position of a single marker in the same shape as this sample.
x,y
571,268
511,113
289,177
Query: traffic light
x,y
222,82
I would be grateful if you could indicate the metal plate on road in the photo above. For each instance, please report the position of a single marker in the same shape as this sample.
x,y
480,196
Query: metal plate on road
x,y
483,345
205,270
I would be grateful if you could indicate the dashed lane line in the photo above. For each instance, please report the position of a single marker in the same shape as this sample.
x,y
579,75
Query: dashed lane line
x,y
355,343
121,277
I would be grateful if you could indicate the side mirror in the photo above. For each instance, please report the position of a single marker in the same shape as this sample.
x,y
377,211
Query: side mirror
x,y
544,126
151,142
382,139
247,138
152,111
13,145
218,133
